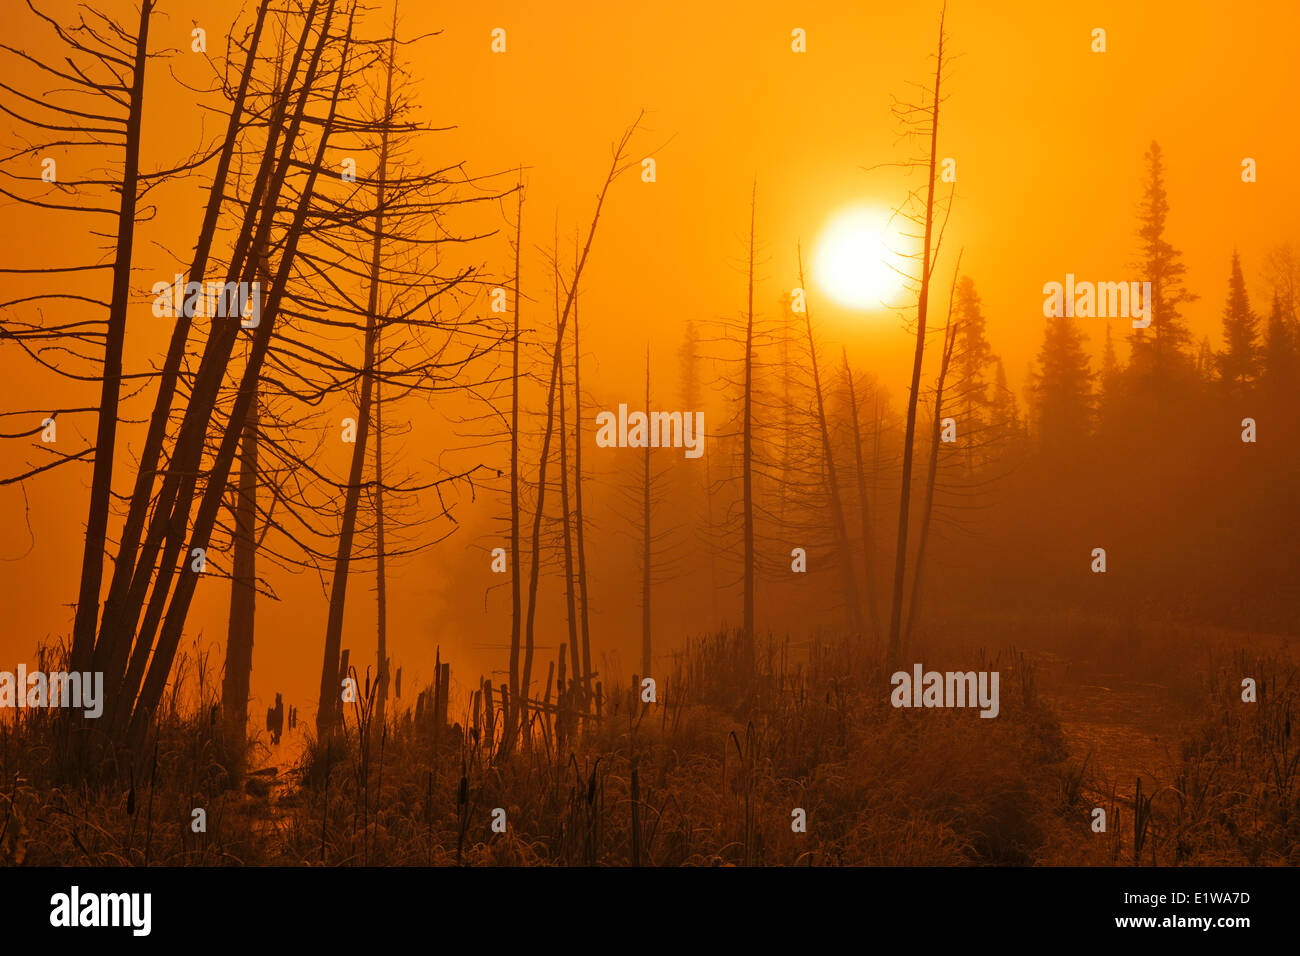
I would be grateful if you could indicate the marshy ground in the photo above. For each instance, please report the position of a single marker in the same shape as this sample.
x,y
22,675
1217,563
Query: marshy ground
x,y
709,775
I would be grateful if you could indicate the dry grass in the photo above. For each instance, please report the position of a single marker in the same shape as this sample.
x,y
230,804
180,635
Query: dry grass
x,y
709,774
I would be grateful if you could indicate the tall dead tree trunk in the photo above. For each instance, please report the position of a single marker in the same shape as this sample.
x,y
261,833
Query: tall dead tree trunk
x,y
747,451
788,425
516,567
243,585
101,481
617,166
242,622
160,664
329,688
115,638
570,598
645,537
137,562
847,578
579,526
381,573
922,309
708,523
949,339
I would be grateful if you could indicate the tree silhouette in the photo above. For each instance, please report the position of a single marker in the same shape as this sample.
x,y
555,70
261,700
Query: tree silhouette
x,y
926,120
1238,363
1162,350
1063,399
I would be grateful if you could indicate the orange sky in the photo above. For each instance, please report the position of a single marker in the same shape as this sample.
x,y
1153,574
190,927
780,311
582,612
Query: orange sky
x,y
1048,139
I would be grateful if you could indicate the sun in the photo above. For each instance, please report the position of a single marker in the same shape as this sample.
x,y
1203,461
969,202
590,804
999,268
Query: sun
x,y
857,260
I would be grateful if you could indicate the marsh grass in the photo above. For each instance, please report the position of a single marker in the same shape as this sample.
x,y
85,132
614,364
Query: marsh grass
x,y
707,775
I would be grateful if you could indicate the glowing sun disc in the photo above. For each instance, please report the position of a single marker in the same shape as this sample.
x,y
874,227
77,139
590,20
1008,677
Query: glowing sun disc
x,y
857,257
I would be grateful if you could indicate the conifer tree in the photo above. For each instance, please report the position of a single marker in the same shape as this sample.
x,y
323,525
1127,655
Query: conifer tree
x,y
971,358
1238,363
1161,348
1062,389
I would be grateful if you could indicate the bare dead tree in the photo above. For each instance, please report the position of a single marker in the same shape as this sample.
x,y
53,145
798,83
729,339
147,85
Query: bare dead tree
x,y
519,706
747,452
92,562
579,524
570,598
241,624
107,63
381,556
325,711
169,634
950,333
116,653
848,578
644,488
645,537
929,127
516,561
412,304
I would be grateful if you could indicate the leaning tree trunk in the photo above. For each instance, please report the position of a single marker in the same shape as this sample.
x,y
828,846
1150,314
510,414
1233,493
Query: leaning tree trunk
x,y
101,480
114,642
922,309
153,564
847,577
155,679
